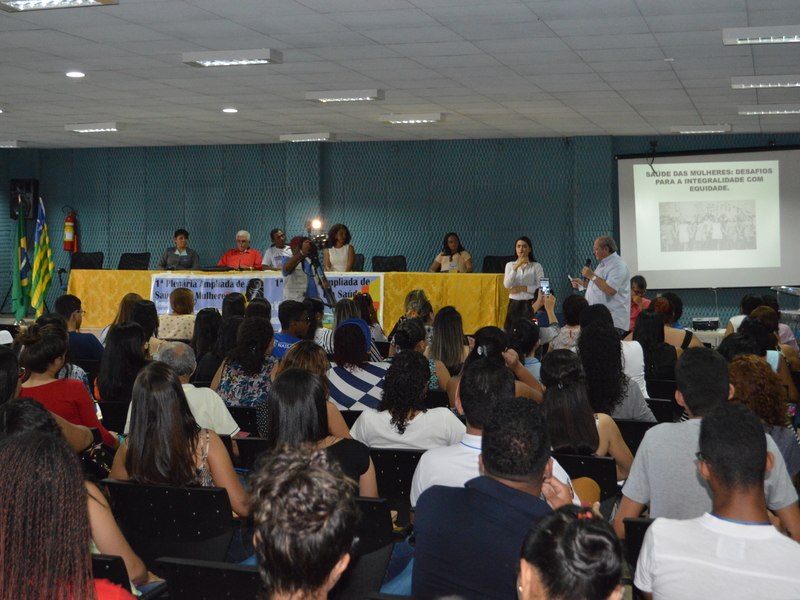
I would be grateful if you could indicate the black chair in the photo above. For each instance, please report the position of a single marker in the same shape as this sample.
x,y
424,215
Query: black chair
x,y
115,414
436,399
245,417
387,264
201,384
86,260
90,367
350,416
250,450
496,264
383,348
633,432
375,529
603,469
394,470
663,410
634,537
113,569
160,520
363,576
129,261
207,580
661,388
358,263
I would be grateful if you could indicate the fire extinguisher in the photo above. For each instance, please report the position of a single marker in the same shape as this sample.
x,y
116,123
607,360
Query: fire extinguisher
x,y
71,230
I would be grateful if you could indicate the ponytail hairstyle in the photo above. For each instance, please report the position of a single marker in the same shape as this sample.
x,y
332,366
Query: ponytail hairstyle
x,y
42,345
409,333
523,337
490,342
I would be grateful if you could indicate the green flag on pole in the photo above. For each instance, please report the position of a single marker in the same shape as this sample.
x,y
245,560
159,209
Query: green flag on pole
x,y
20,287
43,265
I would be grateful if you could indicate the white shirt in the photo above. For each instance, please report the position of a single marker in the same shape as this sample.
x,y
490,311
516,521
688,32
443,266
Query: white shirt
x,y
429,429
529,276
274,257
338,258
633,364
708,557
614,271
208,410
455,465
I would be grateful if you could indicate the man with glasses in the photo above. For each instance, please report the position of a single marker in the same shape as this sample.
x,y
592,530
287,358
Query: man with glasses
x,y
294,320
84,346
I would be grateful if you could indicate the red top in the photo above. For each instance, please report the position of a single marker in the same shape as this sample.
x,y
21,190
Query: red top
x,y
70,400
635,310
235,259
109,591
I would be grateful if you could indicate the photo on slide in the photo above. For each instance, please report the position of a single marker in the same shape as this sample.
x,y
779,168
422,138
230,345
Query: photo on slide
x,y
707,225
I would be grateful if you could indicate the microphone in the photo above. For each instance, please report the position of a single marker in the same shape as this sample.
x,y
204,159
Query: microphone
x,y
588,262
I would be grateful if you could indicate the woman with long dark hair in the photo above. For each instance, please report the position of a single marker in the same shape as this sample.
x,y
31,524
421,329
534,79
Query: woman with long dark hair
x,y
144,313
574,427
243,379
410,337
298,416
166,446
345,309
402,420
122,316
453,258
522,276
233,304
354,382
660,357
206,330
447,344
122,360
208,366
370,315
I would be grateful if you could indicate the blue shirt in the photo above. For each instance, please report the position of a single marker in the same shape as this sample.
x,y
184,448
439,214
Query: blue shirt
x,y
615,272
534,366
85,346
283,341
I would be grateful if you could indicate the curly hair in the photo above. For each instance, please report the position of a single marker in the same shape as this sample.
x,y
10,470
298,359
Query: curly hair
x,y
404,388
601,354
757,386
334,231
252,342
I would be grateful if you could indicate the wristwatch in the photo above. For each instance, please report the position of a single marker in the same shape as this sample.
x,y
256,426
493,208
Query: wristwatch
x,y
594,277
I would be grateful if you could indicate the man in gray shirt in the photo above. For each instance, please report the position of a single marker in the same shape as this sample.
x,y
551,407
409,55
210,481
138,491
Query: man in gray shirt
x,y
664,472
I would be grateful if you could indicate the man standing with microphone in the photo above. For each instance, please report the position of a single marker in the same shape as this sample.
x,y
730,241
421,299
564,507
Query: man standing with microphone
x,y
610,283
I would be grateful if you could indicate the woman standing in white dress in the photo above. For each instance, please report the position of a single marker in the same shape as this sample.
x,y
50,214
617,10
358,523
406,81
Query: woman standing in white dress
x,y
339,255
522,276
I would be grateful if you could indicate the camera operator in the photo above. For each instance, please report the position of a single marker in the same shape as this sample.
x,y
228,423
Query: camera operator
x,y
298,282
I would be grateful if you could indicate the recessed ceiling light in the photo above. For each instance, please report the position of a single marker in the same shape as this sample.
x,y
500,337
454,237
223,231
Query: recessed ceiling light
x,y
767,81
761,35
700,128
233,58
229,110
770,109
22,5
346,95
308,137
76,74
13,144
92,127
669,60
412,119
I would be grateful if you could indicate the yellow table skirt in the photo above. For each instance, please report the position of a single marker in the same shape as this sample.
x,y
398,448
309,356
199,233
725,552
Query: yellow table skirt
x,y
480,298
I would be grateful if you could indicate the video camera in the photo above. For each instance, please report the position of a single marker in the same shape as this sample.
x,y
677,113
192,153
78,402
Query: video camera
x,y
318,245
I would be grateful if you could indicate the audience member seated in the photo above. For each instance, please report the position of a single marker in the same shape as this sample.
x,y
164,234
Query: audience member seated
x,y
416,305
124,357
207,407
663,472
77,436
410,337
258,307
316,316
402,420
660,357
84,346
309,356
765,341
567,338
748,304
205,332
447,344
757,387
43,357
531,310
243,379
180,257
233,304
638,301
571,554
737,344
208,366
731,550
785,332
485,381
468,539
370,315
293,316
681,339
123,311
524,339
166,446
144,313
297,416
611,391
305,521
573,427
771,319
277,253
69,370
25,416
345,309
353,382
179,324
243,257
676,312
44,523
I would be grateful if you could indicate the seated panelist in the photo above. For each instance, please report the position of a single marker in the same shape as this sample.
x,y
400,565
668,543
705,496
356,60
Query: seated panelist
x,y
242,257
180,257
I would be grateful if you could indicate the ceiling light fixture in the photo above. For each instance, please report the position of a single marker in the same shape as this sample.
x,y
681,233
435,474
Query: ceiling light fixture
x,y
233,58
229,110
412,119
13,144
91,127
308,137
346,95
770,109
761,35
767,81
76,74
724,128
22,5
